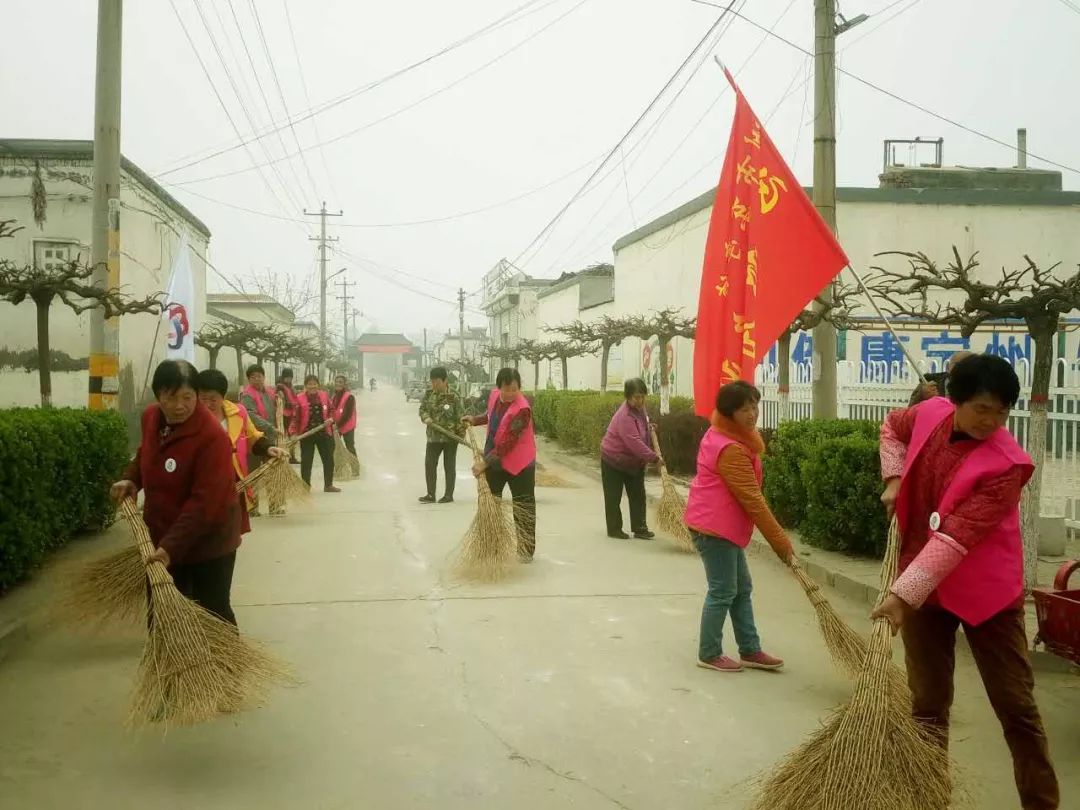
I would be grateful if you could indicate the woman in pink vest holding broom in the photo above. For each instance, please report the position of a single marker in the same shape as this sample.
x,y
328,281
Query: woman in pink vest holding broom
x,y
510,454
725,504
954,476
344,407
313,408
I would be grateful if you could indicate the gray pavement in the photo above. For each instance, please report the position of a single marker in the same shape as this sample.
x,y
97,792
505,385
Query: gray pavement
x,y
571,685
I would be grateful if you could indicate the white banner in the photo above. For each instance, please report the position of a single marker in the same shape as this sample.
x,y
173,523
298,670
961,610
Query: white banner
x,y
180,307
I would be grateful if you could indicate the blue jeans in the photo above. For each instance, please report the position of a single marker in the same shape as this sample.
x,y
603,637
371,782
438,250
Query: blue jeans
x,y
728,576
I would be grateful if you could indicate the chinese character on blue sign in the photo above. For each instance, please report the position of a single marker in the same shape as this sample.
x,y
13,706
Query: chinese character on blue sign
x,y
804,349
942,347
1011,351
882,348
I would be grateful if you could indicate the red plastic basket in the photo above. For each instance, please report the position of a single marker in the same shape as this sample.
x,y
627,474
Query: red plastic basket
x,y
1059,615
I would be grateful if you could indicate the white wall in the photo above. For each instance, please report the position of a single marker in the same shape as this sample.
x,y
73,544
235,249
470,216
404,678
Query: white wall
x,y
148,242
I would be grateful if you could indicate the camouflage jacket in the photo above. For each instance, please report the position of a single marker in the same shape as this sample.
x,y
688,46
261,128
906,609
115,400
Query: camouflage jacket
x,y
445,411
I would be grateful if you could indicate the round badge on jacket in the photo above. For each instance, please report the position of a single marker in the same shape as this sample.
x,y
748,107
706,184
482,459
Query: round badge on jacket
x,y
170,465
935,521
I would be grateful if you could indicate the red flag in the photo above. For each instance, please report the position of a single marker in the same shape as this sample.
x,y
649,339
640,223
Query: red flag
x,y
768,254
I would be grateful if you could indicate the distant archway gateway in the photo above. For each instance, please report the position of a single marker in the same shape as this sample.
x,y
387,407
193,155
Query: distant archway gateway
x,y
381,343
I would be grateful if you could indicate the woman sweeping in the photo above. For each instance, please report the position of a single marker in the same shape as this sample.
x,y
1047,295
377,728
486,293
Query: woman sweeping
x,y
510,454
343,407
184,468
724,506
624,453
954,476
313,408
244,437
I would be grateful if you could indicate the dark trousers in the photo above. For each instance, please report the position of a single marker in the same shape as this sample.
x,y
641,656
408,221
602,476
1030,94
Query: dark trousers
x,y
325,444
350,441
448,450
209,583
523,492
615,481
999,646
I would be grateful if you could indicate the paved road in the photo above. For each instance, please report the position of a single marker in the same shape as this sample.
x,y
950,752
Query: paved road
x,y
570,686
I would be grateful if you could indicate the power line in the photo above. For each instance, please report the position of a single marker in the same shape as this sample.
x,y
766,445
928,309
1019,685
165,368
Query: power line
x,y
887,20
281,95
896,97
671,80
307,98
407,107
510,17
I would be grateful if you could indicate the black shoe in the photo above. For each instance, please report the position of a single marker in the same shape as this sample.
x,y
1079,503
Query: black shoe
x,y
427,499
619,535
644,534
446,499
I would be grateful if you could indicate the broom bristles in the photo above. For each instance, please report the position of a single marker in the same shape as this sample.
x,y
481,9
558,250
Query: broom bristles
x,y
872,754
106,590
195,665
671,513
549,479
282,483
346,465
488,550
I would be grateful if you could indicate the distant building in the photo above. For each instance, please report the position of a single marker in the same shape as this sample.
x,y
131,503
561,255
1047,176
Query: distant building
x,y
151,223
448,349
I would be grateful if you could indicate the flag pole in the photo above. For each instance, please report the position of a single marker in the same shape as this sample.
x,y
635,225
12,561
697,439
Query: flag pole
x,y
888,324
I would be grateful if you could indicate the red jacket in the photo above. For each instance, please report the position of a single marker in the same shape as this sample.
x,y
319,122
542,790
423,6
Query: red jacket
x,y
191,507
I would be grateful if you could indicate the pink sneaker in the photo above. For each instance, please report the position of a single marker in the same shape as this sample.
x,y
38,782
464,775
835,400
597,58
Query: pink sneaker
x,y
721,664
761,660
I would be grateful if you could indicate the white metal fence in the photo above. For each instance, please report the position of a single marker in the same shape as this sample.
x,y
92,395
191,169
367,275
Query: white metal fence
x,y
871,390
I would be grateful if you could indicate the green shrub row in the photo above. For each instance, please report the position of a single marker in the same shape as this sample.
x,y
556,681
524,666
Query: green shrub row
x,y
56,467
578,420
823,478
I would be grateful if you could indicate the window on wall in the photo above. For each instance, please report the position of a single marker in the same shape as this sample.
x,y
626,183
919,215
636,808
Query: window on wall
x,y
54,255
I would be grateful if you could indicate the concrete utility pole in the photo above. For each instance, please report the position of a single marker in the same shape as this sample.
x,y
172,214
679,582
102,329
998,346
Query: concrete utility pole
x,y
827,25
322,239
461,324
345,298
105,225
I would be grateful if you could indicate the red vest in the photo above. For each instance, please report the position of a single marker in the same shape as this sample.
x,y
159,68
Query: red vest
x,y
524,452
258,398
339,409
711,508
303,413
991,576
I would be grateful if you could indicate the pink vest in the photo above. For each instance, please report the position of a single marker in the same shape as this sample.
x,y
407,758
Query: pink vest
x,y
524,452
711,508
257,398
340,409
991,576
303,411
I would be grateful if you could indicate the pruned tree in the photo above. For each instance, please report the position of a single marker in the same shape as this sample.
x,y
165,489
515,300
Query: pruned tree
x,y
665,325
953,296
604,332
534,352
510,355
296,296
213,337
72,284
563,350
838,312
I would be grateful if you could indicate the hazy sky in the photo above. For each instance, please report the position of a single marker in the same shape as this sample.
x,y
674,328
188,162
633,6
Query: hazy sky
x,y
540,117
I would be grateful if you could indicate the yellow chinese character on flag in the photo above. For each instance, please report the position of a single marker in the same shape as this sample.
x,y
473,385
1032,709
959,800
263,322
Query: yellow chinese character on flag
x,y
730,371
746,329
754,138
741,212
769,189
723,287
746,172
732,250
751,270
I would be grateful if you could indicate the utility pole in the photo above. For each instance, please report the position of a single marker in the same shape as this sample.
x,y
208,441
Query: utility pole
x,y
461,322
322,239
345,298
425,360
105,224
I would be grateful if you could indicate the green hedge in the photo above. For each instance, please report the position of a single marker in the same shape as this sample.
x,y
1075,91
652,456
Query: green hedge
x,y
843,497
56,467
791,445
578,420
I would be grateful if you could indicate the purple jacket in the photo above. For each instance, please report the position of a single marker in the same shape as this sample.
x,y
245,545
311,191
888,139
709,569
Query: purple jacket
x,y
626,444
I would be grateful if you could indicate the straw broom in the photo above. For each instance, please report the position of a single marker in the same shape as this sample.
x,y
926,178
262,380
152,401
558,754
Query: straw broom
x,y
346,465
671,510
195,666
488,549
871,754
107,590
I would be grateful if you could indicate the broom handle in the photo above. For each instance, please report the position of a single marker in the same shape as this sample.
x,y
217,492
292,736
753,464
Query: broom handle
x,y
157,572
295,440
454,436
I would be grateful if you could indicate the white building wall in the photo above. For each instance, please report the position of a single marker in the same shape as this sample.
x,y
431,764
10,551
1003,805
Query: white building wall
x,y
149,239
